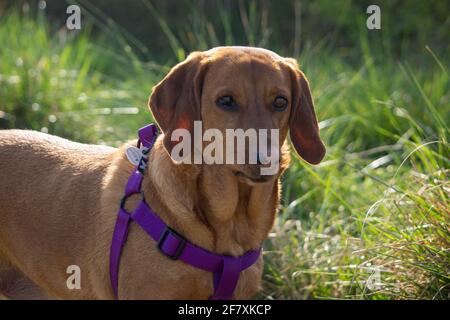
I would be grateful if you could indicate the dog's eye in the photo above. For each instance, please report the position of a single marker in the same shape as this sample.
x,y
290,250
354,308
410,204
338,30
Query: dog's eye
x,y
227,103
280,103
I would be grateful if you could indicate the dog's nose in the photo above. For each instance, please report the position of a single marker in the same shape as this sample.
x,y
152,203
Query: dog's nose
x,y
262,159
258,159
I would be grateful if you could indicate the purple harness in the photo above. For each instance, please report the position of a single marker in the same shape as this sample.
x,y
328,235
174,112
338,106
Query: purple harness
x,y
225,269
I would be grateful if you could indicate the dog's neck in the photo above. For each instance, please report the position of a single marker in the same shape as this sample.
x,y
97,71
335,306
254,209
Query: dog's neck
x,y
208,205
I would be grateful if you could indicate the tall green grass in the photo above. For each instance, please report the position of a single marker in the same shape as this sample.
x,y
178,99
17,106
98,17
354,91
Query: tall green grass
x,y
370,222
69,84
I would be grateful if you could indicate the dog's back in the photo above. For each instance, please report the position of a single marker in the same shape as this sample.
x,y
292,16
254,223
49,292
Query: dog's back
x,y
45,183
32,162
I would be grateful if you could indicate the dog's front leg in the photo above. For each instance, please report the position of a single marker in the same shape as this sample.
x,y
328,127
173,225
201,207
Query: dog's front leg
x,y
15,285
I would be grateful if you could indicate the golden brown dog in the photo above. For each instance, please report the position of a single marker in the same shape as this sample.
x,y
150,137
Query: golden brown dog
x,y
59,199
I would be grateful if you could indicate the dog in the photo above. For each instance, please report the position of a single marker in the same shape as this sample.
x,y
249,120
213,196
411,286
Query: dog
x,y
59,199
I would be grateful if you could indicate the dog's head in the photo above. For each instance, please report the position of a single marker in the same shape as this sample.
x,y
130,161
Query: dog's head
x,y
239,88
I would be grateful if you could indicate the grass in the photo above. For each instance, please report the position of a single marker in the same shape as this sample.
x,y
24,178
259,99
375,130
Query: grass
x,y
370,222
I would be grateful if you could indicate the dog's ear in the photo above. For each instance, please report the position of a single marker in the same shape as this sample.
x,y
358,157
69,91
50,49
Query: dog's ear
x,y
303,126
175,101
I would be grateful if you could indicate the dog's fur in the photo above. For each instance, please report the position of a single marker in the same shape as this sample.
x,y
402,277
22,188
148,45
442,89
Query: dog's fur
x,y
59,199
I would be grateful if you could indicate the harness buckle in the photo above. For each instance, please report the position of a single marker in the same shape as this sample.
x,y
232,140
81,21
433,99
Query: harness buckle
x,y
122,204
179,250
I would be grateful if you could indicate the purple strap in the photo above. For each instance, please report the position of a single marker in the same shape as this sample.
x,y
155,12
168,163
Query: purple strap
x,y
226,269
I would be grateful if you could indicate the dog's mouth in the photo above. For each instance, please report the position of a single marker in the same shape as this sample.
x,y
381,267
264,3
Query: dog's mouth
x,y
249,178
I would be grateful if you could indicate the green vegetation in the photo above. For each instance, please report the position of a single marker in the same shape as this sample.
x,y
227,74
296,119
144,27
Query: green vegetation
x,y
371,221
